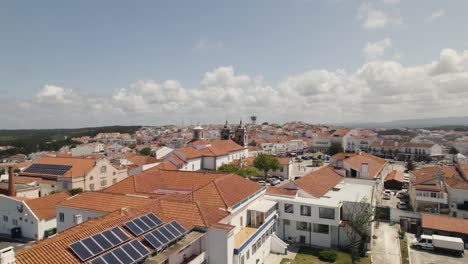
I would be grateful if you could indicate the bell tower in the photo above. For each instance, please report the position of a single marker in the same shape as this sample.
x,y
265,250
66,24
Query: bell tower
x,y
226,132
240,135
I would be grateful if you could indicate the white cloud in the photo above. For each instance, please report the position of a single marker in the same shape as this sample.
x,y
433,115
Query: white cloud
x,y
378,90
375,50
436,15
372,17
391,2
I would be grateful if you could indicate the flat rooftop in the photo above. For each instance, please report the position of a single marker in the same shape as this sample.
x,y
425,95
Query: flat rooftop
x,y
243,235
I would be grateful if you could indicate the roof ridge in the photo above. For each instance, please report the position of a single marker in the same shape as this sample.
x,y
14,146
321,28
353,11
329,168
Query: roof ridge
x,y
201,213
220,195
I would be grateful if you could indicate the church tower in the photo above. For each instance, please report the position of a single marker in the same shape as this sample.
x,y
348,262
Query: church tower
x,y
240,135
198,133
226,132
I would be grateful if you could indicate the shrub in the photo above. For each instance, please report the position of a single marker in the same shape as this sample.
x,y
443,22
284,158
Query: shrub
x,y
328,255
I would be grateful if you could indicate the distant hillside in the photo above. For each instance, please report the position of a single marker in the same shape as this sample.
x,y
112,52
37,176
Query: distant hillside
x,y
414,123
30,140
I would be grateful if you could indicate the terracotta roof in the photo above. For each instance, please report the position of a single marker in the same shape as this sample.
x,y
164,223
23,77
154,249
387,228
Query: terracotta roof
x,y
426,174
280,191
80,166
102,201
140,160
23,164
44,207
189,152
395,176
375,164
445,223
167,166
455,179
341,132
416,145
284,161
29,180
319,182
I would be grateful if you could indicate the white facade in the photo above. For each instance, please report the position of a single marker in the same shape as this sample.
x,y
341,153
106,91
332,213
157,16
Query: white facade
x,y
16,213
68,217
458,202
161,152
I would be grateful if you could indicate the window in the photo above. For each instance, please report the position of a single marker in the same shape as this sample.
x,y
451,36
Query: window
x,y
103,169
15,222
327,213
248,253
286,221
303,226
433,195
114,181
319,228
61,217
289,208
282,169
241,221
305,210
91,186
5,218
103,183
91,178
242,260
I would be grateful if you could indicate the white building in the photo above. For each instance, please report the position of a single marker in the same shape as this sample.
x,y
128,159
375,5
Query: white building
x,y
33,218
312,210
87,149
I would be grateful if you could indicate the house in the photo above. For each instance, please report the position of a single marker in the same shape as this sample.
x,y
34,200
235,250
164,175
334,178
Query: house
x,y
427,189
207,155
457,189
160,152
30,219
87,149
213,218
72,172
286,169
406,150
361,165
394,180
313,209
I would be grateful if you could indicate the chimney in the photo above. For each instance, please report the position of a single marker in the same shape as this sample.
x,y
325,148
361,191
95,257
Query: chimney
x,y
11,182
364,170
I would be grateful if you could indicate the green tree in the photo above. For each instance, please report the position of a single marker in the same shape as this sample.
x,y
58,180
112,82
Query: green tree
x,y
75,191
16,170
249,172
2,171
335,148
453,151
265,163
55,191
359,218
410,165
229,168
145,151
132,146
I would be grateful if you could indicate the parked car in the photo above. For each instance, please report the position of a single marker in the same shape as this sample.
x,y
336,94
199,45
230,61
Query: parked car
x,y
387,192
402,194
386,196
402,205
443,243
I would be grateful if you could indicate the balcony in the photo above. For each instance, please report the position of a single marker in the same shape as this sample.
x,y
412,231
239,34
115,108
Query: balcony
x,y
434,197
260,211
251,234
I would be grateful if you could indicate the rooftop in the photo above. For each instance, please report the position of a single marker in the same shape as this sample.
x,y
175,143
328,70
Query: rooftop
x,y
445,223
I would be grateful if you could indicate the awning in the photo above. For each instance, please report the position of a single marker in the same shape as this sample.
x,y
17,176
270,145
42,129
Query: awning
x,y
262,205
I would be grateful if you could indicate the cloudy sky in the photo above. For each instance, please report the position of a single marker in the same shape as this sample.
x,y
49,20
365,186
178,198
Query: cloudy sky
x,y
92,63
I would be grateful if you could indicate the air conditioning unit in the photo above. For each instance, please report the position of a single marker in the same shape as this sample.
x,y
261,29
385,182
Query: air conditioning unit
x,y
78,219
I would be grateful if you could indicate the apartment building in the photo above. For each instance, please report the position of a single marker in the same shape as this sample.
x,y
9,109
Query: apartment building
x,y
406,150
313,210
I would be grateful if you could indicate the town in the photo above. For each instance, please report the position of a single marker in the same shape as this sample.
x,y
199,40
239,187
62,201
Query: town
x,y
238,193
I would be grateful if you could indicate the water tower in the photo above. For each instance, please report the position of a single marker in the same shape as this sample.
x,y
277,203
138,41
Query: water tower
x,y
253,119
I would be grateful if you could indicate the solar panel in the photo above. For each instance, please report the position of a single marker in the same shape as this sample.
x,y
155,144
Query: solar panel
x,y
130,252
80,250
51,169
96,244
143,223
164,235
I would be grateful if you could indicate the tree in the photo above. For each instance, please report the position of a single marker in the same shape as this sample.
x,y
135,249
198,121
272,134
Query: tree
x,y
2,171
16,170
359,217
335,148
248,172
132,146
145,151
410,165
229,168
75,191
265,163
453,151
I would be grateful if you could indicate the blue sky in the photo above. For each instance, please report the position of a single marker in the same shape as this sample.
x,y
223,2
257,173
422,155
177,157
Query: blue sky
x,y
92,50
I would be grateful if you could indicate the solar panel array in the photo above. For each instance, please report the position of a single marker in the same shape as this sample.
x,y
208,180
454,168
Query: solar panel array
x,y
94,245
128,253
50,169
143,223
164,235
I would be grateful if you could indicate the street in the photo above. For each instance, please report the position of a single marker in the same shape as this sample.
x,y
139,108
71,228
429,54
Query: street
x,y
386,248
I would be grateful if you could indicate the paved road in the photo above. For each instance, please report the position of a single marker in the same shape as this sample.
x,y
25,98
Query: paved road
x,y
386,248
420,256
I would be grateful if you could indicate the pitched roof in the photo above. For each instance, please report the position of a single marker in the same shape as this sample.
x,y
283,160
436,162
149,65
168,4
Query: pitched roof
x,y
189,152
44,207
319,182
102,201
80,166
395,176
375,164
445,223
341,132
280,191
141,160
427,174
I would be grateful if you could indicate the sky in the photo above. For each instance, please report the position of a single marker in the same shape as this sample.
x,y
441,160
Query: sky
x,y
92,63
